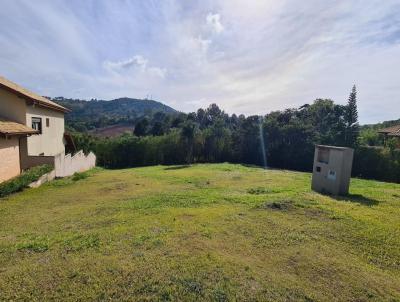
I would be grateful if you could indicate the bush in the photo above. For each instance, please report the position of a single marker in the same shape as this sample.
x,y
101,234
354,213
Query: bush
x,y
80,175
22,181
377,163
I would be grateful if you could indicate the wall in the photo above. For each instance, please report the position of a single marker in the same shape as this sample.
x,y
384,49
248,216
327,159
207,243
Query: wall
x,y
67,165
12,107
43,179
9,155
51,141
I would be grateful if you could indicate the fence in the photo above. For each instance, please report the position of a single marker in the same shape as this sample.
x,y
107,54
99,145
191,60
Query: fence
x,y
67,165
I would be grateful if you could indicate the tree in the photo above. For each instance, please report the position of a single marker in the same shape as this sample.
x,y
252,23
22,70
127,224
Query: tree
x,y
141,127
157,129
351,119
188,134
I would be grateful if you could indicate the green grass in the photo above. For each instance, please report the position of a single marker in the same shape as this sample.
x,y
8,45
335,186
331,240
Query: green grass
x,y
201,233
22,181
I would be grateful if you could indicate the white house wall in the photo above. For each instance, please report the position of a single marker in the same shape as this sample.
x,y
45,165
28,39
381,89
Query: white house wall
x,y
51,141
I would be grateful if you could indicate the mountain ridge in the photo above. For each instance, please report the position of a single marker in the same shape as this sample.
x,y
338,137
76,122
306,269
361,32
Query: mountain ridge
x,y
91,114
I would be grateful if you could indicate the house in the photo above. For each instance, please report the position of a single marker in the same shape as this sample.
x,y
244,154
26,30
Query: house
x,y
393,131
11,134
31,131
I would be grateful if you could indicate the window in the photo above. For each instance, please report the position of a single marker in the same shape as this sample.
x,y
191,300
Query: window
x,y
37,124
318,169
47,122
323,155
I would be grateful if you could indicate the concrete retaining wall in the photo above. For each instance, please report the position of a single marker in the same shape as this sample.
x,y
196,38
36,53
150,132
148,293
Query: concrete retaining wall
x,y
67,165
43,179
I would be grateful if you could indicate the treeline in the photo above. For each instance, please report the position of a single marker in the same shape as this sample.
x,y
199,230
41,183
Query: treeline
x,y
280,139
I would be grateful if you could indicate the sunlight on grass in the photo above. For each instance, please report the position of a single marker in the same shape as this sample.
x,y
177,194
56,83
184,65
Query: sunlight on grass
x,y
203,232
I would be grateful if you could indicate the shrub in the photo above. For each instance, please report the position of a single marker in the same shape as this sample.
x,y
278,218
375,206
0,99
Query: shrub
x,y
377,163
80,175
22,181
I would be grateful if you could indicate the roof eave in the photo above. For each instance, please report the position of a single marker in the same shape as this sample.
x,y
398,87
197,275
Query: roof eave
x,y
7,134
61,109
38,102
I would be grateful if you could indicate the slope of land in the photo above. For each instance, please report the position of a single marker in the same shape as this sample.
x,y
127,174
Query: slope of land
x,y
112,131
207,232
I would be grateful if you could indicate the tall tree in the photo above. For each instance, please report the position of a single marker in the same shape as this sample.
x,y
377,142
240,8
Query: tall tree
x,y
188,134
141,127
351,119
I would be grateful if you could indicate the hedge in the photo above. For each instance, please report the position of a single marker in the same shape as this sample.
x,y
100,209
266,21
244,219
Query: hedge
x,y
377,163
22,181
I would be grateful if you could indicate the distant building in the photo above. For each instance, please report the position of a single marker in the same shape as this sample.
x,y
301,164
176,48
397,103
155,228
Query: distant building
x,y
393,131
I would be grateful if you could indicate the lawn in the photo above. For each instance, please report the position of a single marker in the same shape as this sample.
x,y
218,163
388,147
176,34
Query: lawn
x,y
218,232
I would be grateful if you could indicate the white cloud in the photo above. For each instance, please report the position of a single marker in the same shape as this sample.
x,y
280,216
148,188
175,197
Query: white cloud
x,y
214,21
137,62
250,57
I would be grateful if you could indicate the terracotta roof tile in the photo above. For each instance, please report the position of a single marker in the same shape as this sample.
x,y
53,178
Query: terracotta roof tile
x,y
40,100
391,131
12,128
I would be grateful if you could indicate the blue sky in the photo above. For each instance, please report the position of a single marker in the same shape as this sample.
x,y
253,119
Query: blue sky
x,y
249,57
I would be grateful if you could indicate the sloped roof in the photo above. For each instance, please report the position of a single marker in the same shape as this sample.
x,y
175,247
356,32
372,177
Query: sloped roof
x,y
391,131
37,99
10,128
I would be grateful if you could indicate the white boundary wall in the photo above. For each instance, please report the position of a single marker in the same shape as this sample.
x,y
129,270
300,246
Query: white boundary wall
x,y
67,165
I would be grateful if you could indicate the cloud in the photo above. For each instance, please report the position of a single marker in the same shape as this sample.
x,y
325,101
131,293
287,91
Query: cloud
x,y
249,58
137,62
214,21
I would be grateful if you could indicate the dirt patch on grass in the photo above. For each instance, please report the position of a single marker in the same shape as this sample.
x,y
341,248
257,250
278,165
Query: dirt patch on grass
x,y
279,205
260,191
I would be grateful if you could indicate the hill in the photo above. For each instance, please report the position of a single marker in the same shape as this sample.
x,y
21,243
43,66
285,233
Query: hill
x,y
217,232
385,124
87,115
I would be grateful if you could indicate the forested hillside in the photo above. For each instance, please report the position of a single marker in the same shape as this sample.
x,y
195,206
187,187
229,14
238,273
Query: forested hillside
x,y
88,115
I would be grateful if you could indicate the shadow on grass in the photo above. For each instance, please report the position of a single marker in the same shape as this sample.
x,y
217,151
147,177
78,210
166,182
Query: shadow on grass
x,y
358,198
177,167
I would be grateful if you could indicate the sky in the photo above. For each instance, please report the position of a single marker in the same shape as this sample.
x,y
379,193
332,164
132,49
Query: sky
x,y
248,56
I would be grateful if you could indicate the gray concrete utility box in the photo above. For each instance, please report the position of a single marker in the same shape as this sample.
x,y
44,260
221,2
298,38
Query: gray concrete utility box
x,y
332,169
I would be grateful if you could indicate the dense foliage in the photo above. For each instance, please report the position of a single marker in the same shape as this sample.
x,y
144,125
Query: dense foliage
x,y
377,163
22,181
280,139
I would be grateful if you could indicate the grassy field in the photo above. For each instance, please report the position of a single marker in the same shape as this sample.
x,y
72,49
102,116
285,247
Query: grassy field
x,y
207,232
